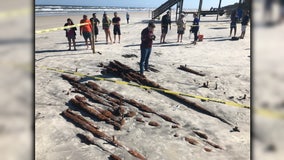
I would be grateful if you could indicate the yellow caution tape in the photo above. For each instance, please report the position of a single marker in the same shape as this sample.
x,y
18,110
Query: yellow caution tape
x,y
60,28
262,112
269,113
229,103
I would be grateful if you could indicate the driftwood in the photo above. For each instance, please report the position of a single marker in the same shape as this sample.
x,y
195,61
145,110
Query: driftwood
x,y
207,149
89,93
126,73
95,93
130,114
88,140
168,119
145,115
114,157
175,126
191,140
140,119
153,123
69,78
129,55
184,68
87,125
213,144
136,154
140,106
200,134
94,112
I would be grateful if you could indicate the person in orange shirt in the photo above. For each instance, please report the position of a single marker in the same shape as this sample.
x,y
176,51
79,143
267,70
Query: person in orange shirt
x,y
86,30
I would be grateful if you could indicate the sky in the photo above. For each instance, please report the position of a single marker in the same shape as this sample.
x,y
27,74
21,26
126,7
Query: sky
x,y
191,4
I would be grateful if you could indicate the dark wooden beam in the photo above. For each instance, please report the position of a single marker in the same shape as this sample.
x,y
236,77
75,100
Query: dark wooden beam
x,y
220,1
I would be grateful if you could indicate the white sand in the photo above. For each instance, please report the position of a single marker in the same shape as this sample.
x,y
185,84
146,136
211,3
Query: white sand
x,y
224,62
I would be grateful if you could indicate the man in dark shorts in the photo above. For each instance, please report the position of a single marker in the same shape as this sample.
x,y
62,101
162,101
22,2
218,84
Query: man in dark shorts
x,y
86,30
116,27
166,21
95,22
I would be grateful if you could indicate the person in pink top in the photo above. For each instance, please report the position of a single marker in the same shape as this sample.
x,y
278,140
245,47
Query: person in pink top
x,y
86,30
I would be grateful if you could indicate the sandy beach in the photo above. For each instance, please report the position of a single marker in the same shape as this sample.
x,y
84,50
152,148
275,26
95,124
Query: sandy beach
x,y
225,63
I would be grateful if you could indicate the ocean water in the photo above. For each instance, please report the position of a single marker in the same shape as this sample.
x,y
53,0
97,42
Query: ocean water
x,y
53,10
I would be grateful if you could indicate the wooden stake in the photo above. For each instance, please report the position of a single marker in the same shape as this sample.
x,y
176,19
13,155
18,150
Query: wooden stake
x,y
93,39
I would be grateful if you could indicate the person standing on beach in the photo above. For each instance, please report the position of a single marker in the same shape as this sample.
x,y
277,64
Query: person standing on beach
x,y
95,22
127,17
233,24
244,23
106,24
116,27
181,25
147,37
166,21
70,33
86,30
195,27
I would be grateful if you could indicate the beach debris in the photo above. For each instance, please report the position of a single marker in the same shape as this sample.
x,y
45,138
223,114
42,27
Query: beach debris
x,y
213,144
153,123
216,86
244,97
94,112
207,149
70,78
184,68
200,134
88,140
176,107
169,119
205,85
145,115
235,129
176,135
140,119
100,64
129,55
114,157
136,154
115,68
84,124
191,140
111,99
175,126
130,114
231,97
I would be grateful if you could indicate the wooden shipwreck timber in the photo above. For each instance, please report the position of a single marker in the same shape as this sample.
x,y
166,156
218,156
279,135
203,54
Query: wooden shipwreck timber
x,y
111,108
123,71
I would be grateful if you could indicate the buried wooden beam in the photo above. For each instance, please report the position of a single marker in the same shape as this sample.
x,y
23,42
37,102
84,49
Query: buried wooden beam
x,y
123,71
184,68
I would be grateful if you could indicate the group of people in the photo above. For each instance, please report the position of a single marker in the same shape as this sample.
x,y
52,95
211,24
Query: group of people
x,y
244,22
181,27
147,35
89,27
